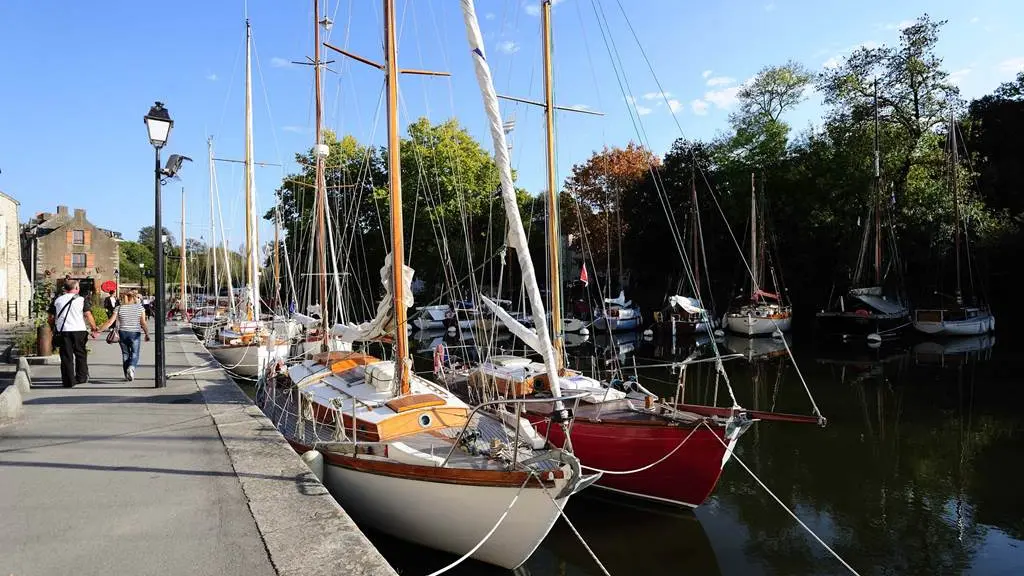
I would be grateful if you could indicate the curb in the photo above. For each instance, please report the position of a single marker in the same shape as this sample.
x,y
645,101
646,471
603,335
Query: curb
x,y
10,404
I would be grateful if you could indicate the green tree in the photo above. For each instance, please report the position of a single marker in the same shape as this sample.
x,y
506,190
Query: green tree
x,y
761,136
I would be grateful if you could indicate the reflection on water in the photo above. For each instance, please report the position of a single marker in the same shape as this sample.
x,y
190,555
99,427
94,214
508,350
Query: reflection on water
x,y
917,471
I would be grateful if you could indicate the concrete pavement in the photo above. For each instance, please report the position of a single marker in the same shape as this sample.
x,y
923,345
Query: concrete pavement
x,y
113,477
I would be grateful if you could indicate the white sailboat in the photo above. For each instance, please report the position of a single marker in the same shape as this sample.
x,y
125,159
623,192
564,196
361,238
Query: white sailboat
x,y
245,346
405,455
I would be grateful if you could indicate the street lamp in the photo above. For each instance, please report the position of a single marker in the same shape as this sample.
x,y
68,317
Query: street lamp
x,y
158,125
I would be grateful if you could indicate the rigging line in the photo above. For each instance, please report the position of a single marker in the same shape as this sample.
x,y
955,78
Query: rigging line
x,y
784,507
561,512
266,102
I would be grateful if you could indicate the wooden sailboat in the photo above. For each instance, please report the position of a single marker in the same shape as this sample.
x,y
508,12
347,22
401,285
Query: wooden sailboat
x,y
212,314
963,318
869,308
766,311
403,454
245,346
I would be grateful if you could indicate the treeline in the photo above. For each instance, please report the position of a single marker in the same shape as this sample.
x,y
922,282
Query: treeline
x,y
817,184
138,261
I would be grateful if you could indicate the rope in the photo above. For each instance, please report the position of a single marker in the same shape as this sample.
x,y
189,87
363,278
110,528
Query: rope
x,y
561,512
652,464
786,508
491,531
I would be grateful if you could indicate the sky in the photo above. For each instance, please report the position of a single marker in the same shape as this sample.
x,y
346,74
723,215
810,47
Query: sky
x,y
78,77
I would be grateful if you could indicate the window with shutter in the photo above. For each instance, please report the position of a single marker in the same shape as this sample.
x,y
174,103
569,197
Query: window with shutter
x,y
88,237
70,234
79,237
67,260
78,260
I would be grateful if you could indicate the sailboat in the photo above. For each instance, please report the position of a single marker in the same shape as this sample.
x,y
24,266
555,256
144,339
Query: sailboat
x,y
869,308
665,452
401,453
245,346
961,319
765,312
212,314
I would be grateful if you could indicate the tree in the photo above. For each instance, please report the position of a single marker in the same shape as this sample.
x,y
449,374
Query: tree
x,y
146,236
590,203
760,138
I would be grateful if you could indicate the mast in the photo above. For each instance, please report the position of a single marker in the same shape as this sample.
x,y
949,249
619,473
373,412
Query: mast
x,y
956,205
696,235
753,239
213,226
184,259
319,152
252,273
277,261
878,194
554,237
395,184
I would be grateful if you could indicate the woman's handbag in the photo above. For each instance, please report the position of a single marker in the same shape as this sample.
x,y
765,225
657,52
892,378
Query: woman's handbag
x,y
113,337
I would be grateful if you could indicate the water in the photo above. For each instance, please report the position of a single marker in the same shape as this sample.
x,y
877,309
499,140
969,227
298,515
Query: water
x,y
917,472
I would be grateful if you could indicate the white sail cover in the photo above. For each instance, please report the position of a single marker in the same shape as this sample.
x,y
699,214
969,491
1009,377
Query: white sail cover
x,y
690,305
619,301
516,233
384,322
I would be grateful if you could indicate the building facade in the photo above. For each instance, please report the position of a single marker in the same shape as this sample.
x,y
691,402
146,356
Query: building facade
x,y
15,289
55,246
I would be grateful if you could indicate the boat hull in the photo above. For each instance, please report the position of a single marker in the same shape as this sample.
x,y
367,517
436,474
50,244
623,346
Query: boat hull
x,y
247,360
750,325
964,327
851,324
617,324
446,516
686,478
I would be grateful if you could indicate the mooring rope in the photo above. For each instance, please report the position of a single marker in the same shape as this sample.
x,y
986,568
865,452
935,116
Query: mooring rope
x,y
576,532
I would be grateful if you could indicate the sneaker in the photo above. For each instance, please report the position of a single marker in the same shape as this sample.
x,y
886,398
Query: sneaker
x,y
131,373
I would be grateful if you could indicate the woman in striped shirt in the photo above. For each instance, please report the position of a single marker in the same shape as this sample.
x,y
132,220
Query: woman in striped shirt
x,y
130,317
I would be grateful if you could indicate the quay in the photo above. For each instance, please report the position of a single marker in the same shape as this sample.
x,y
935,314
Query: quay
x,y
115,477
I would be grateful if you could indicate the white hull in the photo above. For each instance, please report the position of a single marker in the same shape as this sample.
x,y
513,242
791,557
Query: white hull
x,y
247,360
755,326
616,324
573,325
428,324
971,327
449,517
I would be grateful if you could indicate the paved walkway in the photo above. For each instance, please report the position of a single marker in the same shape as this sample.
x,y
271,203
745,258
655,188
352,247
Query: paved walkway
x,y
115,477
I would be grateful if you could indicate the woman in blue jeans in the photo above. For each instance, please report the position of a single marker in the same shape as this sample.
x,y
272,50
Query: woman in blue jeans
x,y
130,317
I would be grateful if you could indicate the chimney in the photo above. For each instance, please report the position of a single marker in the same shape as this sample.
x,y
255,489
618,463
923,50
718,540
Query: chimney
x,y
62,210
79,213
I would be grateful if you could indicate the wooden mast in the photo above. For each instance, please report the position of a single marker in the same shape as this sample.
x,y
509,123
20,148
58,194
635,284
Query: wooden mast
x,y
321,188
184,263
696,234
213,228
277,260
395,185
956,206
251,270
878,203
554,238
753,239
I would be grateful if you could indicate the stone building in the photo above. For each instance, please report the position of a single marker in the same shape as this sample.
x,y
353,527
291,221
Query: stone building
x,y
15,290
64,244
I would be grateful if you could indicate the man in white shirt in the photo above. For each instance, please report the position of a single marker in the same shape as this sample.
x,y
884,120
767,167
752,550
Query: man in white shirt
x,y
68,318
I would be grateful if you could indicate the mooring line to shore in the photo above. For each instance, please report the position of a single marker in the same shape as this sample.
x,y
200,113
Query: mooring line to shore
x,y
787,509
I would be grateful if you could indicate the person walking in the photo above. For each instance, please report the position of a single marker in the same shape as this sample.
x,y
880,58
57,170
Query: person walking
x,y
69,318
110,303
130,318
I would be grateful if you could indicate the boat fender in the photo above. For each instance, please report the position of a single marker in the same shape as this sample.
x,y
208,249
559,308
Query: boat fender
x,y
315,461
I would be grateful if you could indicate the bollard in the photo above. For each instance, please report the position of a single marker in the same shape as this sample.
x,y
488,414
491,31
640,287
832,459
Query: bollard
x,y
315,460
24,367
22,382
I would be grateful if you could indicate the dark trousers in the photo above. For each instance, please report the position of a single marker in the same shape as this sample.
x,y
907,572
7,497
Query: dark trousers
x,y
74,369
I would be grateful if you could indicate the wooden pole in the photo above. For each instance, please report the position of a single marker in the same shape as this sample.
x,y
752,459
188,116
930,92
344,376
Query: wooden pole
x,y
554,235
321,185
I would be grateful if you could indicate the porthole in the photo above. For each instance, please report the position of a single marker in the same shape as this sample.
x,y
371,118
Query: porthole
x,y
425,420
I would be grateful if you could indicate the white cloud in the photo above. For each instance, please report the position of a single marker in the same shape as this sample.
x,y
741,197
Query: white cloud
x,y
699,107
675,105
720,81
724,98
832,62
656,95
975,20
490,16
706,73
958,76
867,44
900,25
643,110
294,129
211,77
1012,65
769,7
278,62
508,47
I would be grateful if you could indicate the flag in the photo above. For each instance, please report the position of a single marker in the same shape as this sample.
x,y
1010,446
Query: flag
x,y
583,275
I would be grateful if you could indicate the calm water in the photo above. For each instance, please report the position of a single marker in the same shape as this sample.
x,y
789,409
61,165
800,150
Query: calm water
x,y
917,472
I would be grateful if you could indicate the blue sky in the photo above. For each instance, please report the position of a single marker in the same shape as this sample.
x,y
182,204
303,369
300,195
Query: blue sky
x,y
78,77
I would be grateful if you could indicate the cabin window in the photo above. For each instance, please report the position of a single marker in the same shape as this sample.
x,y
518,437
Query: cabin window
x,y
78,260
79,238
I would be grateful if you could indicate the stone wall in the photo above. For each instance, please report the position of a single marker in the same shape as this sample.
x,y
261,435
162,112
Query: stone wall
x,y
14,287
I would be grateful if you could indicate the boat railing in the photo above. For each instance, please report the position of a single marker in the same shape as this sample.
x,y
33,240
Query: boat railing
x,y
575,398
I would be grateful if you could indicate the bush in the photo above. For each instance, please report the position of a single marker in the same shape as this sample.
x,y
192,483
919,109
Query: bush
x,y
99,315
26,343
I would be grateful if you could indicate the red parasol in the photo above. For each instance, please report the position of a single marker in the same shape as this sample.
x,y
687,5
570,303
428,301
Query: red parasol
x,y
108,286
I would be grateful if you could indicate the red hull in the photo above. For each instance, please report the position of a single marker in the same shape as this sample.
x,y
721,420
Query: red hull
x,y
687,477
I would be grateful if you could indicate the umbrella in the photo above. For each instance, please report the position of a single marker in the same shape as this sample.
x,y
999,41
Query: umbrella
x,y
108,286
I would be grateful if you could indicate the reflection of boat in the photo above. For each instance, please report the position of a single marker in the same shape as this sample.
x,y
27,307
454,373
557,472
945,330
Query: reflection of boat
x,y
674,540
955,351
620,345
758,348
865,363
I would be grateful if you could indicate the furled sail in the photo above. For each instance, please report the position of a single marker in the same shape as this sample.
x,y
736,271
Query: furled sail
x,y
383,323
516,234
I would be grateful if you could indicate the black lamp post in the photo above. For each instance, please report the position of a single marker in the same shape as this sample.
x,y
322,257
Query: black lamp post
x,y
158,124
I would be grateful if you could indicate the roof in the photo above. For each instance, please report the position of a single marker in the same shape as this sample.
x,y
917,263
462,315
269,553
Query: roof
x,y
9,197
